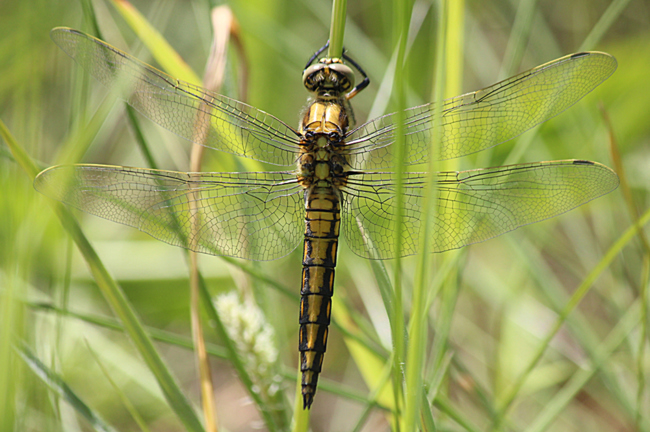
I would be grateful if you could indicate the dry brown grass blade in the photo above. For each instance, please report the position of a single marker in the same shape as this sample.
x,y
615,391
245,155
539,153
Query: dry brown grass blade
x,y
224,27
620,170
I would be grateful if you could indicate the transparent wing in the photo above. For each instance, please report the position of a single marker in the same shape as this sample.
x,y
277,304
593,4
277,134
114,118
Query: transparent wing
x,y
224,124
472,206
476,121
257,216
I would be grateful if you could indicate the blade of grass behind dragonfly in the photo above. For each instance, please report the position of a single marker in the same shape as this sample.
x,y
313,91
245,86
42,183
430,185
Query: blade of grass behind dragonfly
x,y
644,282
519,38
12,325
169,59
425,260
507,400
235,359
186,343
144,148
606,20
116,298
62,389
370,363
609,17
222,25
160,48
83,132
89,13
122,396
581,378
517,43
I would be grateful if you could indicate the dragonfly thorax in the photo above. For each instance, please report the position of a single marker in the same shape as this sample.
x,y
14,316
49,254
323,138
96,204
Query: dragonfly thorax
x,y
321,161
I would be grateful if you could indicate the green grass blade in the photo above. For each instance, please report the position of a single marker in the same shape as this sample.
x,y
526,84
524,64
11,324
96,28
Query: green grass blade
x,y
370,362
116,298
123,397
164,54
233,355
11,328
381,388
300,421
18,153
446,279
617,336
575,299
120,305
113,324
337,29
418,325
426,415
214,350
139,138
61,388
444,405
398,330
605,22
89,12
518,39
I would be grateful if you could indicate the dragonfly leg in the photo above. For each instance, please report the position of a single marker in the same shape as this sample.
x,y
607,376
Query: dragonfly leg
x,y
316,54
363,84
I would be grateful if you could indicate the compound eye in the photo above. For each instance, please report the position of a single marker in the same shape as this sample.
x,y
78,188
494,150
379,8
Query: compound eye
x,y
346,75
309,74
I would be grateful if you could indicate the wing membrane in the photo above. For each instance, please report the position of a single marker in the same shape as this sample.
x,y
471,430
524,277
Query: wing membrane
x,y
257,216
224,124
472,206
476,121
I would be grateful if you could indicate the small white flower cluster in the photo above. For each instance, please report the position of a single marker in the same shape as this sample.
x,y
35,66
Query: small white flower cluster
x,y
254,340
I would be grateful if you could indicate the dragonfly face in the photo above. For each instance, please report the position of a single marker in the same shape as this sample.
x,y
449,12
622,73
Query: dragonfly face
x,y
336,176
329,78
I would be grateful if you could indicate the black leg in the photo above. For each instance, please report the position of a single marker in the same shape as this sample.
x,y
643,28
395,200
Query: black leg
x,y
363,84
323,48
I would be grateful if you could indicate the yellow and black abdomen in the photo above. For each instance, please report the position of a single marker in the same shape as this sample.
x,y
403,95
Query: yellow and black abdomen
x,y
322,224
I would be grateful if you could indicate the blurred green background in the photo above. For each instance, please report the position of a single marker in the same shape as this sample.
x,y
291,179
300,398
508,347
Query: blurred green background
x,y
499,301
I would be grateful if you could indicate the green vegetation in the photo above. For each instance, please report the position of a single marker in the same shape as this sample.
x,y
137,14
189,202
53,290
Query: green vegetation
x,y
544,328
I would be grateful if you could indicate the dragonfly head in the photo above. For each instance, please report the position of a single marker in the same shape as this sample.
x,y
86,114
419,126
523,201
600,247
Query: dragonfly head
x,y
328,78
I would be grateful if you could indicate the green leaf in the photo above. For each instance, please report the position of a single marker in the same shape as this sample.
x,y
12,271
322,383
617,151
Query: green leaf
x,y
60,387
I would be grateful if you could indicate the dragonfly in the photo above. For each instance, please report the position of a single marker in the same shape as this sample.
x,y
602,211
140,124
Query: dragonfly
x,y
335,176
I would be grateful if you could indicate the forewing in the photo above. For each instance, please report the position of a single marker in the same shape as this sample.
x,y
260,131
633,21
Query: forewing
x,y
257,216
189,111
476,121
472,206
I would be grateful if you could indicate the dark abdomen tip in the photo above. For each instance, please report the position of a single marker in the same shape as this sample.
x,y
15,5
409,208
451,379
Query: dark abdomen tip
x,y
307,397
